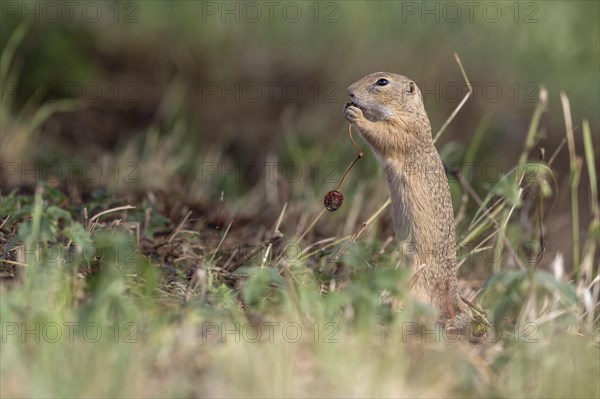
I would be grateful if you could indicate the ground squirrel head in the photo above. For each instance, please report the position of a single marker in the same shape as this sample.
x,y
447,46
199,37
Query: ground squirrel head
x,y
388,110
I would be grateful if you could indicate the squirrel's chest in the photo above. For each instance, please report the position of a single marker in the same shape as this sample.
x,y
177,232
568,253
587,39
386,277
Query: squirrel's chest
x,y
401,204
416,207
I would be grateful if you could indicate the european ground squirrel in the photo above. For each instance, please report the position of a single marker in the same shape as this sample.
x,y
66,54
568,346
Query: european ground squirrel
x,y
387,110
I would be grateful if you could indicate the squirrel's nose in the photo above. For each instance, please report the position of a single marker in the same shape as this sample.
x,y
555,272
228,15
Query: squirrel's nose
x,y
351,93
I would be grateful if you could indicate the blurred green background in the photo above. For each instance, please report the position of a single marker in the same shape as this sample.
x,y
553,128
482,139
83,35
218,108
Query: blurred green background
x,y
293,61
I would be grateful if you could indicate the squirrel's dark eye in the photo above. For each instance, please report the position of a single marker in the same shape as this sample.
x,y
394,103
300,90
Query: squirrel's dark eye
x,y
382,82
411,87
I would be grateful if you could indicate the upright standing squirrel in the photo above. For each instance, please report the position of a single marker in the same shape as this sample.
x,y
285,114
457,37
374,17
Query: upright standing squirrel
x,y
387,109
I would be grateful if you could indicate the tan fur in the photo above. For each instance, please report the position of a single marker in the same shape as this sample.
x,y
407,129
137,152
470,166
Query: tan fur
x,y
393,121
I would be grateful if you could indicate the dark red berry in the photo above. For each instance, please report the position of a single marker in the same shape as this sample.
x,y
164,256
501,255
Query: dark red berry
x,y
333,200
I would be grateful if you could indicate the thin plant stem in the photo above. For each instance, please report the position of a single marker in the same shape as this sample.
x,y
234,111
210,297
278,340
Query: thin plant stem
x,y
460,105
575,171
359,156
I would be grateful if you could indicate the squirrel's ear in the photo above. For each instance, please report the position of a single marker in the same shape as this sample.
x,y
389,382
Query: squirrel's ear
x,y
411,87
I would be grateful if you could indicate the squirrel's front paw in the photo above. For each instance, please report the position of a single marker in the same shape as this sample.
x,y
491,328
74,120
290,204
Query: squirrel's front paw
x,y
353,113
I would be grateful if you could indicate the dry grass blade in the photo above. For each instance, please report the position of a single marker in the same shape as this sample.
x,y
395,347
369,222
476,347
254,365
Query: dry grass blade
x,y
220,243
4,221
575,171
372,218
555,153
94,219
364,226
12,262
460,105
317,243
312,224
532,133
179,226
591,166
352,237
276,234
